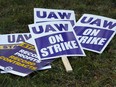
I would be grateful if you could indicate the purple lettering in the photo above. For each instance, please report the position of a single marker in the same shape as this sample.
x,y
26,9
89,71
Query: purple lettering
x,y
110,25
11,39
62,27
41,16
64,15
52,15
96,22
84,20
37,32
49,28
20,38
27,37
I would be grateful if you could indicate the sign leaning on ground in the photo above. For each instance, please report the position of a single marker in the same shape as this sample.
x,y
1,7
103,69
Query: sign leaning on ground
x,y
45,15
90,20
55,39
95,32
9,41
22,60
9,44
48,15
53,36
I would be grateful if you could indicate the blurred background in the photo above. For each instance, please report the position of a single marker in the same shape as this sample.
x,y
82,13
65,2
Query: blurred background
x,y
94,70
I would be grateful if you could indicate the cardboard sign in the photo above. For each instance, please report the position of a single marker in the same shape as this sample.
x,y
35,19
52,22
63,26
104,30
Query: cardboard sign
x,y
95,32
55,15
22,60
10,41
44,15
14,38
55,39
90,20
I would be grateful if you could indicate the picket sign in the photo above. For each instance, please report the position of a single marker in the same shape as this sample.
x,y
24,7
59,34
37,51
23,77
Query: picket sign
x,y
56,15
55,39
47,15
67,64
8,43
95,32
96,21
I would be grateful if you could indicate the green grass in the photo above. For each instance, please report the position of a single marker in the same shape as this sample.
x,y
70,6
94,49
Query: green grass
x,y
94,70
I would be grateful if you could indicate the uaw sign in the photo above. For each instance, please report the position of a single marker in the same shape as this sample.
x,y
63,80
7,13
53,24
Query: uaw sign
x,y
9,41
55,39
22,60
43,15
95,32
96,21
9,44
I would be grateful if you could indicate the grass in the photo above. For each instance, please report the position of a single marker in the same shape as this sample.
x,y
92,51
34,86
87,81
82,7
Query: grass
x,y
94,70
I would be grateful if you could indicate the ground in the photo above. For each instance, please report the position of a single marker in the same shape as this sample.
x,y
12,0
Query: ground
x,y
94,70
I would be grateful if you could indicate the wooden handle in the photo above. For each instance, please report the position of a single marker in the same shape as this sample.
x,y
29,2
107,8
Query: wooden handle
x,y
66,64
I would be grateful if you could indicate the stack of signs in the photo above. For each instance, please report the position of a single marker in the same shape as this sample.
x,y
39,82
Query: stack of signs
x,y
9,41
50,15
19,58
55,39
95,32
11,59
54,34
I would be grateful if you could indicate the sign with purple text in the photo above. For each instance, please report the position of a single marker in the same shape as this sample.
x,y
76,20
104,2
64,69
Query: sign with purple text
x,y
9,43
44,15
55,39
22,60
96,21
95,32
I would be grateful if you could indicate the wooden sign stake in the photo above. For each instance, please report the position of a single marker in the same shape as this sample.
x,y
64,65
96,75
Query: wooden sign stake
x,y
67,64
